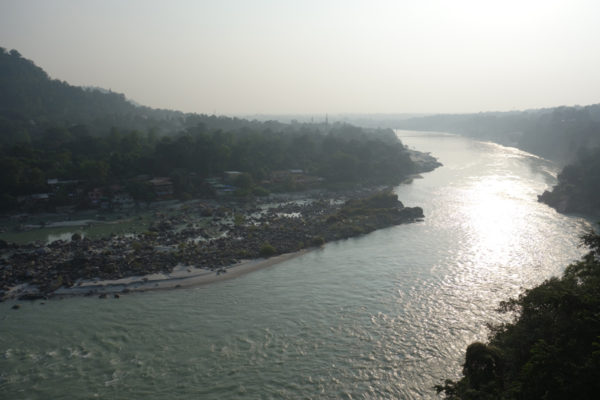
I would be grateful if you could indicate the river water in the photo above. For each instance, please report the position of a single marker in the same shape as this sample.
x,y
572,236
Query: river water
x,y
386,315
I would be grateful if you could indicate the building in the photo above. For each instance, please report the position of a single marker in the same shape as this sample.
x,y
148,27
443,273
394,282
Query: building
x,y
122,201
163,187
230,176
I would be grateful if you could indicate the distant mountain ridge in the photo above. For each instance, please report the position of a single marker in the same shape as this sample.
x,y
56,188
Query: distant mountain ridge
x,y
94,141
558,133
30,100
567,135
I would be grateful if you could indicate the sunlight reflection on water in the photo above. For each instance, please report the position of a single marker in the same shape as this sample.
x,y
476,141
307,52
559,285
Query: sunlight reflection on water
x,y
386,315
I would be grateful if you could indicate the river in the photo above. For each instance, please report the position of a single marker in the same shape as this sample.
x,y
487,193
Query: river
x,y
385,315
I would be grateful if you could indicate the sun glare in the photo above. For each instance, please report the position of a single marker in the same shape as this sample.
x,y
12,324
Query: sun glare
x,y
495,216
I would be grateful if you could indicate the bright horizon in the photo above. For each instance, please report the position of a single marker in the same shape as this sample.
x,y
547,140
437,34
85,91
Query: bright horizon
x,y
315,57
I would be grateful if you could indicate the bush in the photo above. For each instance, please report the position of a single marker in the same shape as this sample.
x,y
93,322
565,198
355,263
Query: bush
x,y
550,350
239,219
239,192
185,196
260,191
266,250
136,246
318,241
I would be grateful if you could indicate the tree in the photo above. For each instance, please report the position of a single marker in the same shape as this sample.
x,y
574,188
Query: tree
x,y
243,181
95,172
552,348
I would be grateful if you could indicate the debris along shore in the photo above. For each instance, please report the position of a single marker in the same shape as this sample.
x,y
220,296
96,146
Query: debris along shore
x,y
172,243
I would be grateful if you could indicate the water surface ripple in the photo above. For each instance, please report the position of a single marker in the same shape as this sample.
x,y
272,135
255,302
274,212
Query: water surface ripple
x,y
386,315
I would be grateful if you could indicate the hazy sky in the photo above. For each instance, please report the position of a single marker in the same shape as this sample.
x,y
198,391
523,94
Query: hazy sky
x,y
305,56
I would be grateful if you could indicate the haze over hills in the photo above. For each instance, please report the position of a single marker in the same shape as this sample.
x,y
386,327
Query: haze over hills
x,y
316,57
51,130
568,135
557,133
250,130
366,120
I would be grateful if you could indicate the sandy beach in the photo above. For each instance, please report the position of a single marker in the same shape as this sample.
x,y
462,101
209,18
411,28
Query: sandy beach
x,y
180,277
179,250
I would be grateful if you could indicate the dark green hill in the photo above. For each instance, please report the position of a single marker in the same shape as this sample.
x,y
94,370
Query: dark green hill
x,y
97,141
578,187
30,102
29,92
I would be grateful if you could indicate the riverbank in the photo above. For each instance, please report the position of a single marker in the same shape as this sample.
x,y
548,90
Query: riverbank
x,y
576,198
180,277
195,245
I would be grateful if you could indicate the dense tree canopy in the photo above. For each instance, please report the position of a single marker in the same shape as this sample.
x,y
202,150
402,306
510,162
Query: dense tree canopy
x,y
72,153
578,187
52,130
552,348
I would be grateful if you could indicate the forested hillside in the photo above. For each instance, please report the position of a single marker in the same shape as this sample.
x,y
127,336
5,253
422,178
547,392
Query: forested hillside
x,y
552,348
95,140
30,102
568,135
578,187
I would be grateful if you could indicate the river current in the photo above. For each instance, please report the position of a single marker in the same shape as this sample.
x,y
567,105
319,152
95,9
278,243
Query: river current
x,y
385,315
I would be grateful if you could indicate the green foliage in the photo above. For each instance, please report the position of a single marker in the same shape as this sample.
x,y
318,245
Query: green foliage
x,y
551,350
483,364
244,253
242,192
140,191
244,181
578,187
185,196
136,246
52,130
95,172
267,250
260,191
239,219
376,203
317,241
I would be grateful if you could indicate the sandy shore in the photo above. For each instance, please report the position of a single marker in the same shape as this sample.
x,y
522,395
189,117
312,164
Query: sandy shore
x,y
180,277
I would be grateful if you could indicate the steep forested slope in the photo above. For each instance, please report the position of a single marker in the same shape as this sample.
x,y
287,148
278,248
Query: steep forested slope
x,y
52,130
552,348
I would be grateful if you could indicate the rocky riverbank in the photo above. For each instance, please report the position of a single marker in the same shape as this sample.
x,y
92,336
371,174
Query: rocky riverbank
x,y
424,162
176,241
571,199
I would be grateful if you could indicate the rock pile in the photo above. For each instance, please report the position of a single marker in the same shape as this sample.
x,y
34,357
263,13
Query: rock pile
x,y
173,240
